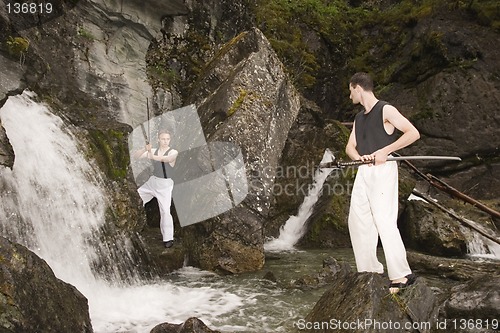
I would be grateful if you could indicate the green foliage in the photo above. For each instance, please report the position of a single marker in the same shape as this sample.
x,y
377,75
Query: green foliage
x,y
360,36
487,12
18,47
163,76
285,24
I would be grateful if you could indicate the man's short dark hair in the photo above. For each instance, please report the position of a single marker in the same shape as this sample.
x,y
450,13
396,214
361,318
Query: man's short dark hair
x,y
164,131
362,79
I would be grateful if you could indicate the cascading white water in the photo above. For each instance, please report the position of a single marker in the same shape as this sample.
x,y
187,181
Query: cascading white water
x,y
479,246
50,200
294,227
53,202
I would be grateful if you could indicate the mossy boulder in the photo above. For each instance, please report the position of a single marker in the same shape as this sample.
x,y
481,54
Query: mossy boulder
x,y
32,299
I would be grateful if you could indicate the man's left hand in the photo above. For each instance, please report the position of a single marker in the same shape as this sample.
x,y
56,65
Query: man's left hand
x,y
380,157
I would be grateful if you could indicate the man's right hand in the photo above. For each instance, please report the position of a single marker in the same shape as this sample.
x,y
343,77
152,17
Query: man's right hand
x,y
365,158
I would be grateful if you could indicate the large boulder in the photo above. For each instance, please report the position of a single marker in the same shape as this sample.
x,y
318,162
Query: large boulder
x,y
474,305
427,229
33,299
244,97
191,325
361,302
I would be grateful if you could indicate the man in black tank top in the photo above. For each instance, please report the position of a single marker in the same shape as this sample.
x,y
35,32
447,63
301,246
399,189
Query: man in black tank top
x,y
160,184
374,199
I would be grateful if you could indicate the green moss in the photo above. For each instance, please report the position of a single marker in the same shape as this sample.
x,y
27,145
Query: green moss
x,y
18,47
111,150
237,103
285,24
225,48
86,34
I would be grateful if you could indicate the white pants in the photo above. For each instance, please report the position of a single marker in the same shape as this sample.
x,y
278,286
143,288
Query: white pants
x,y
374,213
161,189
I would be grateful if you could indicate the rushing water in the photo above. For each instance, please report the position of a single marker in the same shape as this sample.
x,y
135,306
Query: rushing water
x,y
294,228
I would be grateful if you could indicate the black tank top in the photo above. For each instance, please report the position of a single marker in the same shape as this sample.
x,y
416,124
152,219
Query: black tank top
x,y
370,131
161,169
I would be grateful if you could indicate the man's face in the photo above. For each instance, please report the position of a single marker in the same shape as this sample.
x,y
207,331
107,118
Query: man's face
x,y
355,94
164,139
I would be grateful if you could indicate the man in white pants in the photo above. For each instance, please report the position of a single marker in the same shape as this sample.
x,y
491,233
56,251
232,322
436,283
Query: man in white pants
x,y
374,200
160,184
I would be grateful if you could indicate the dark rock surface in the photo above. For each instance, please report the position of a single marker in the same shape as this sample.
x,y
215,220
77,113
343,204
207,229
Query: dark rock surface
x,y
361,302
427,229
453,269
6,151
477,301
33,299
191,325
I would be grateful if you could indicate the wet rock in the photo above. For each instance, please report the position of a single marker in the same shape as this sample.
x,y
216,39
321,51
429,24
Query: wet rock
x,y
310,135
192,325
33,299
455,269
233,243
361,302
474,306
270,276
11,81
6,151
427,229
246,98
331,270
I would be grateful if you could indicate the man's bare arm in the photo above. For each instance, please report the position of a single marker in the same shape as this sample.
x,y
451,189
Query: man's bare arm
x,y
410,133
350,148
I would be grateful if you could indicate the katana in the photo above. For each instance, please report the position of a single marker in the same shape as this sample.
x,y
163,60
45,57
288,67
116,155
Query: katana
x,y
341,164
146,136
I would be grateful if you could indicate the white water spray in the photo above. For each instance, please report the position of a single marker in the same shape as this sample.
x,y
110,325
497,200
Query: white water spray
x,y
294,227
53,201
479,246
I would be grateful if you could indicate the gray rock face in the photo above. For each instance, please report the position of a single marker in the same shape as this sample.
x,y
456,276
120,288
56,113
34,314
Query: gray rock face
x,y
453,103
33,299
245,98
112,52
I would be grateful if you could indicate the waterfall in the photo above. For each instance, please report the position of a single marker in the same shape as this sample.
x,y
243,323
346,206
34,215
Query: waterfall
x,y
294,227
479,246
53,201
